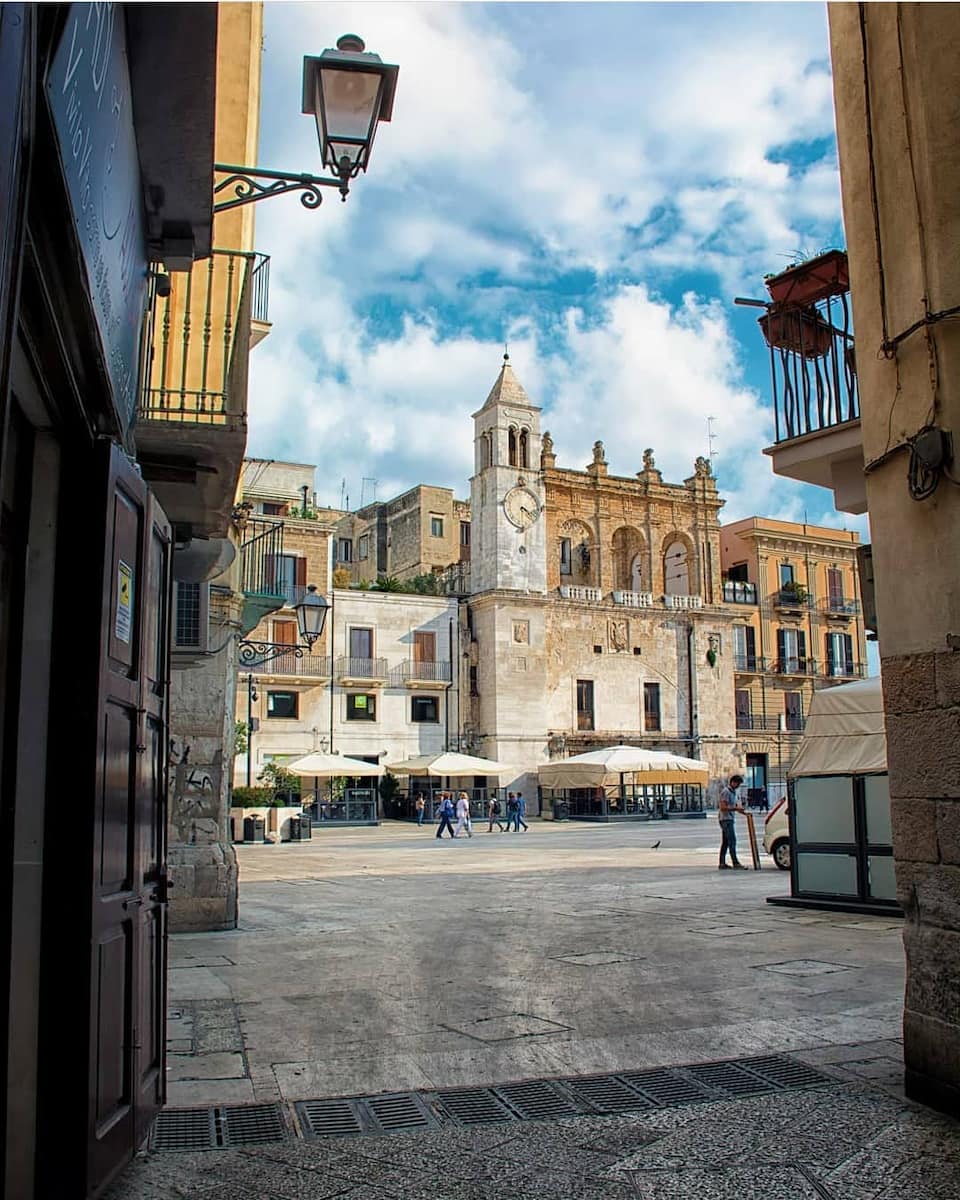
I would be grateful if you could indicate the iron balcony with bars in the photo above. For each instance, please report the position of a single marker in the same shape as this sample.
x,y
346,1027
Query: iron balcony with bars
x,y
791,723
737,592
260,550
315,667
839,606
371,671
797,600
813,369
192,409
420,674
750,664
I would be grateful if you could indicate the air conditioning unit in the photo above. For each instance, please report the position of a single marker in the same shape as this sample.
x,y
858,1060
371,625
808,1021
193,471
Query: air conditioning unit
x,y
191,623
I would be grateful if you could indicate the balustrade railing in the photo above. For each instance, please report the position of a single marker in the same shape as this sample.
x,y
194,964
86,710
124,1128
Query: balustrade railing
x,y
634,599
259,555
813,367
683,601
198,339
574,592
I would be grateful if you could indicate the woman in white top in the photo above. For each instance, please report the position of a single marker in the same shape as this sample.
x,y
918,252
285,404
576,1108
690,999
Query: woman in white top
x,y
463,815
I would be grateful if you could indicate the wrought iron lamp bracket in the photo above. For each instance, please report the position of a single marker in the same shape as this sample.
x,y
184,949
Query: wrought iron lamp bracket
x,y
255,654
247,188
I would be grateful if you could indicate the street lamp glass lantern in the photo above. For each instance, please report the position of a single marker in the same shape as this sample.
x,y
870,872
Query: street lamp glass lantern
x,y
311,615
349,92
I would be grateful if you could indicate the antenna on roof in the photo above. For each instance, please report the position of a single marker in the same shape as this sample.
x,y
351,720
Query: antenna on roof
x,y
711,438
343,493
363,489
506,352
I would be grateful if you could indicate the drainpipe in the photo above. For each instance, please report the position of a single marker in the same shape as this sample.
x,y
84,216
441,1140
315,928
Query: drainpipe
x,y
333,639
692,690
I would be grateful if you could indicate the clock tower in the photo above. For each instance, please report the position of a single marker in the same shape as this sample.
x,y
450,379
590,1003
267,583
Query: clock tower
x,y
508,523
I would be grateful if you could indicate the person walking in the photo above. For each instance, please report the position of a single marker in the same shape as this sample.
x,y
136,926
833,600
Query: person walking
x,y
493,814
511,810
521,809
729,807
463,815
446,815
419,807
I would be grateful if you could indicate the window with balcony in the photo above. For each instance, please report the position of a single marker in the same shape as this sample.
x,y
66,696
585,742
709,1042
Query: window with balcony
x,y
744,648
793,711
738,573
425,710
585,704
464,533
283,705
651,707
361,707
273,510
361,642
787,579
744,708
676,570
284,574
566,557
839,654
792,651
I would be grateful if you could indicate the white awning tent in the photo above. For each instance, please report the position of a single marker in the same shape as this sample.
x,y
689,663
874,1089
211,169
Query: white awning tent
x,y
601,768
451,765
331,766
845,733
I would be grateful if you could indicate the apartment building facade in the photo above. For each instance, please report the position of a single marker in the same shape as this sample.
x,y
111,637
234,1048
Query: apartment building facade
x,y
799,627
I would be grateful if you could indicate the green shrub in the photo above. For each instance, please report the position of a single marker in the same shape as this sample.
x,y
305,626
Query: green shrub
x,y
252,797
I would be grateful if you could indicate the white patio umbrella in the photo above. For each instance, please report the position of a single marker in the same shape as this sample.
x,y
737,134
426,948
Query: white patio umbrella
x,y
449,763
331,765
598,768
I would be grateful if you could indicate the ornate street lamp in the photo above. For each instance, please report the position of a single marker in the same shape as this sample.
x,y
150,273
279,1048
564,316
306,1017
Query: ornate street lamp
x,y
349,92
311,615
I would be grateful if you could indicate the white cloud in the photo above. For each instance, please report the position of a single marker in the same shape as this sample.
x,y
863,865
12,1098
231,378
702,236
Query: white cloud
x,y
529,142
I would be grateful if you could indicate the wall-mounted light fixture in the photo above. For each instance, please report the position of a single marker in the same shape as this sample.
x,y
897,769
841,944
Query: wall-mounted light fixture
x,y
349,92
311,615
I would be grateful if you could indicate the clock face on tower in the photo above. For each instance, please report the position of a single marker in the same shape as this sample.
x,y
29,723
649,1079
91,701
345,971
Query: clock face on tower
x,y
521,507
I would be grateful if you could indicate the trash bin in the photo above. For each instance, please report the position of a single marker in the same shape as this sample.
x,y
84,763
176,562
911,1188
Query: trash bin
x,y
306,827
294,829
561,810
254,829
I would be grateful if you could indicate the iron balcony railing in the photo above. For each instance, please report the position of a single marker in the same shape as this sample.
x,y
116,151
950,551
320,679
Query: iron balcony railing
x,y
310,666
839,606
794,666
198,341
259,556
813,367
749,662
843,670
260,285
361,668
427,672
787,598
790,724
735,592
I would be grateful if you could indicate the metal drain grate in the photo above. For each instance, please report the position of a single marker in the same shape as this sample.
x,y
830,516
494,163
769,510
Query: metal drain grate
x,y
184,1129
251,1125
730,1078
537,1100
664,1087
328,1118
606,1094
403,1111
474,1106
785,1073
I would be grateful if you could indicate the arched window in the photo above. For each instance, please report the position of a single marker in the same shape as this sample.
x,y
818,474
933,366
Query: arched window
x,y
627,547
523,449
484,450
676,570
636,573
512,447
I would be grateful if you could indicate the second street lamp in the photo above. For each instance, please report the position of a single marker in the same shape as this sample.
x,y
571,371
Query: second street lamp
x,y
311,615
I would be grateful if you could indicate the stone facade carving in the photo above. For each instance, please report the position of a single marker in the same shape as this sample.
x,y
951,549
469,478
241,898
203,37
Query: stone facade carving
x,y
618,635
702,468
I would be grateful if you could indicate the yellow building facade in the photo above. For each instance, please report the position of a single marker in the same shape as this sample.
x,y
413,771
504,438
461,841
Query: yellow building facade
x,y
796,591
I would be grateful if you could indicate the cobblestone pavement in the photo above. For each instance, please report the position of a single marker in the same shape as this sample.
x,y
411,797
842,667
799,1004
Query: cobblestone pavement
x,y
372,961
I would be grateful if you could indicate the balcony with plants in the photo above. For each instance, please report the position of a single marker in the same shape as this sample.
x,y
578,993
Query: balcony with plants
x,y
807,325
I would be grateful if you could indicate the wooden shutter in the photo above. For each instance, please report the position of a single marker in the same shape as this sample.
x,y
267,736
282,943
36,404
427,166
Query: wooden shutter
x,y
424,647
285,633
848,652
828,640
744,711
801,650
750,638
300,572
361,643
781,649
270,573
835,588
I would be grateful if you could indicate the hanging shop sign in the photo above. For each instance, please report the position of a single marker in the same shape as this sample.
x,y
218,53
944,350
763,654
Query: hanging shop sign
x,y
88,89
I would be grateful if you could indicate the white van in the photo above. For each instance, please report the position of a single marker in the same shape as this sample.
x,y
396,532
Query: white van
x,y
776,834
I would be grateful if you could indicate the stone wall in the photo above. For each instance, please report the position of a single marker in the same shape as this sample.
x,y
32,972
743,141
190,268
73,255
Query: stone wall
x,y
897,89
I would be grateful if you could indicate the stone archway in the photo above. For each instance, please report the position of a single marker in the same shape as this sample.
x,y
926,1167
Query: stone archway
x,y
679,567
577,549
629,567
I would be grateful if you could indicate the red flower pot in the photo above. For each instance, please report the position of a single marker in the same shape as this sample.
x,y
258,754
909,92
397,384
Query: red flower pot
x,y
817,279
800,330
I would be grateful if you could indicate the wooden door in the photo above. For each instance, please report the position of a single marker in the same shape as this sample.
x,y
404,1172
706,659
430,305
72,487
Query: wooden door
x,y
128,968
424,647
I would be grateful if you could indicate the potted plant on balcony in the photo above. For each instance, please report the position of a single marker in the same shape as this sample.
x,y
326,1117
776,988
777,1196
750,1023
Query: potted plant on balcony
x,y
793,592
816,279
801,330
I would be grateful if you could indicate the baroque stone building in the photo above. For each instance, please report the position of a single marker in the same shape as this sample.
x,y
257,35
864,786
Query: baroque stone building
x,y
595,606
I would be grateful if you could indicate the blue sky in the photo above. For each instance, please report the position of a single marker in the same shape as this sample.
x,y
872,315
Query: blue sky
x,y
593,183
